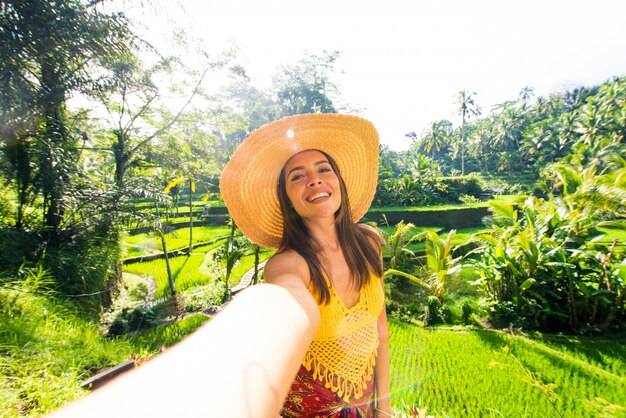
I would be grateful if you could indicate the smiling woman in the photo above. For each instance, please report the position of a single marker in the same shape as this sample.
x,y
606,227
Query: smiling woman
x,y
324,166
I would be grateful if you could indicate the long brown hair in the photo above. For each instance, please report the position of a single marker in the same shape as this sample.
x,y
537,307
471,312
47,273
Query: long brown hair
x,y
362,257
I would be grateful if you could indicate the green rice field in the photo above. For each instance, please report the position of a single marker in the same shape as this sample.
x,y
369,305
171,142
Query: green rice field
x,y
143,244
492,374
186,270
190,271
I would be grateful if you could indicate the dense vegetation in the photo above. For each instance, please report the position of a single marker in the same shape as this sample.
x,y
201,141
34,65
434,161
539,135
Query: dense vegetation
x,y
87,188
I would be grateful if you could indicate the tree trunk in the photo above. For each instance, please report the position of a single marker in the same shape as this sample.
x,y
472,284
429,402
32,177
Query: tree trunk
x,y
190,219
121,159
463,143
612,313
255,278
167,264
19,158
55,137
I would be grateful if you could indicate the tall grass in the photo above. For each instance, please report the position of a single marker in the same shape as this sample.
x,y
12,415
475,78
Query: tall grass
x,y
484,373
154,340
47,349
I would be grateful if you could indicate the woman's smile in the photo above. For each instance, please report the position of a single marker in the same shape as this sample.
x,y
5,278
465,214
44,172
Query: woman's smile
x,y
312,185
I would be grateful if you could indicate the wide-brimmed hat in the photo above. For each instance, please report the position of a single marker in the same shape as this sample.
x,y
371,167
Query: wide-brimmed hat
x,y
249,180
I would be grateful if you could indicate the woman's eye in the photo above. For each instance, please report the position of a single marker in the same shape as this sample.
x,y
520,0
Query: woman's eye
x,y
296,177
325,170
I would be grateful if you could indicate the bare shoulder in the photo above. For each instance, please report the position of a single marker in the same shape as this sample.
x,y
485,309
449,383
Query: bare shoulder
x,y
369,228
373,235
285,267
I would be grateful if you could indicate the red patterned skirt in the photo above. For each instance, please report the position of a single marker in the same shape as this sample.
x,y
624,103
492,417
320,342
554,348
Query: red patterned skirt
x,y
309,398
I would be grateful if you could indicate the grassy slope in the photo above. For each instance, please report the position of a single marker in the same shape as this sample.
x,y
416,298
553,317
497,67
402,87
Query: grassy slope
x,y
47,350
483,373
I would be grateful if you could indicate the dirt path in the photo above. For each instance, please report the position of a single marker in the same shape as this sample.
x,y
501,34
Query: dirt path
x,y
246,279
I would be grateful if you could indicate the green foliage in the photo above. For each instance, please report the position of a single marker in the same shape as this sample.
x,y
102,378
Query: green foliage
x,y
434,313
440,265
396,242
201,297
50,50
411,190
307,86
84,262
133,320
467,199
227,257
467,310
548,271
486,373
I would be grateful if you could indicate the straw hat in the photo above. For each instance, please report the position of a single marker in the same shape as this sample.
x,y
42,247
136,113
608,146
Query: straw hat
x,y
248,182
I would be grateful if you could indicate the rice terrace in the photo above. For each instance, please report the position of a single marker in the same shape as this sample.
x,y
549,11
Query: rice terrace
x,y
503,226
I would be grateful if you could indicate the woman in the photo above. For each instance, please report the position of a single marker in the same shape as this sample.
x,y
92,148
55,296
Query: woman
x,y
299,185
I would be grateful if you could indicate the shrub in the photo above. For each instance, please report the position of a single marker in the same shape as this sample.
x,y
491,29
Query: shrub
x,y
406,314
467,310
202,297
133,320
461,185
138,291
468,199
434,313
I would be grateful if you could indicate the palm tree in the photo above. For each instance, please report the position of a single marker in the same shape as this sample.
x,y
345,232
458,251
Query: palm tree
x,y
406,189
436,137
467,108
439,262
396,244
526,94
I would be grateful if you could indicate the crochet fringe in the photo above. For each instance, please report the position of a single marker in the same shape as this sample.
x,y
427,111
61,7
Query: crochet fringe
x,y
344,387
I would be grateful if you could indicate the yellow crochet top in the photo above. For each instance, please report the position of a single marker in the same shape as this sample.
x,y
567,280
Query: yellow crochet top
x,y
343,353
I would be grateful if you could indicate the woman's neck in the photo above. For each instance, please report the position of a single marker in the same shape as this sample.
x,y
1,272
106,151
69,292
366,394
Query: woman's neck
x,y
324,231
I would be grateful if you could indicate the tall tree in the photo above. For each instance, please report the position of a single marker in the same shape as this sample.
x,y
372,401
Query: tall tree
x,y
436,137
467,108
138,115
49,51
186,151
307,86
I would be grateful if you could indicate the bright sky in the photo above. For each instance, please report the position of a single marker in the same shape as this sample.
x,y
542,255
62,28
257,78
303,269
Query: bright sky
x,y
404,61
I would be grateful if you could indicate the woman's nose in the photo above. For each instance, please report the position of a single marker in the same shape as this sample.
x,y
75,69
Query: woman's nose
x,y
314,181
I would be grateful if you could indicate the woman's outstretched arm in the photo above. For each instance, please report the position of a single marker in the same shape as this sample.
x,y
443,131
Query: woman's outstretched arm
x,y
241,364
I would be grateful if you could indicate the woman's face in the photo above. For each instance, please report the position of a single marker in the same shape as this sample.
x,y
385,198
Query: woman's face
x,y
312,185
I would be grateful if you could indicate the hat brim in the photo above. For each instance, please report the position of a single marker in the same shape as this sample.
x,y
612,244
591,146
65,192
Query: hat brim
x,y
248,182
